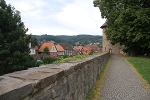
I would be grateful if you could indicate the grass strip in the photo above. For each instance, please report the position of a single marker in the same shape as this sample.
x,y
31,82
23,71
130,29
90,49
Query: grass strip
x,y
141,66
94,93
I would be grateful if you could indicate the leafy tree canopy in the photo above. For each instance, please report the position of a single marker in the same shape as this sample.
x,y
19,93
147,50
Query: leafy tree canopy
x,y
128,23
46,50
34,42
14,50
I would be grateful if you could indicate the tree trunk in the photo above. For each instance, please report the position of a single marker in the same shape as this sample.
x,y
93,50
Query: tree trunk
x,y
133,52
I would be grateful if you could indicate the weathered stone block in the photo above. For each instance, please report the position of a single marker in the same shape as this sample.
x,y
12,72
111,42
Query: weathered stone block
x,y
14,89
57,90
40,77
42,95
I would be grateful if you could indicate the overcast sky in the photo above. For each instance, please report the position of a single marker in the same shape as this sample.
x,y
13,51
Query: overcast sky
x,y
59,17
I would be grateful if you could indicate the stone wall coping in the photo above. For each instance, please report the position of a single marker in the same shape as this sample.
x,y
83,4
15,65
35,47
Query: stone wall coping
x,y
21,83
12,88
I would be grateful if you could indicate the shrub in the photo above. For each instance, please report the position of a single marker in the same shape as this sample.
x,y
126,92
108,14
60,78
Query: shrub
x,y
49,60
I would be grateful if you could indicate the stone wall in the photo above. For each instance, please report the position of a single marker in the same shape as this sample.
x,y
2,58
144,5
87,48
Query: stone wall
x,y
62,81
115,49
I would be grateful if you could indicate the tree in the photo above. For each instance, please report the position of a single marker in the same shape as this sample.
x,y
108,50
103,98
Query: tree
x,y
46,50
14,43
128,23
34,42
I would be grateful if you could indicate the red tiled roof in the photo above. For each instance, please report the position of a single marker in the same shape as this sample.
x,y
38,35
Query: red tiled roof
x,y
86,50
59,48
78,48
94,48
46,44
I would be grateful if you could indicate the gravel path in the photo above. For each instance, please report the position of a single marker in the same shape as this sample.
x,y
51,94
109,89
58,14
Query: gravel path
x,y
121,83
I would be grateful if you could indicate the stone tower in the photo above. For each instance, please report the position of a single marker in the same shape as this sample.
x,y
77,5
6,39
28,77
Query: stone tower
x,y
106,44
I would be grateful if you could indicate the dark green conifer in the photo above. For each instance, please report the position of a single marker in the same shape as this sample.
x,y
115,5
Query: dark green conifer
x,y
14,43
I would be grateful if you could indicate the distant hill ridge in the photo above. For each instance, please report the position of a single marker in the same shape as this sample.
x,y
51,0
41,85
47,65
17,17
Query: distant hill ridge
x,y
76,39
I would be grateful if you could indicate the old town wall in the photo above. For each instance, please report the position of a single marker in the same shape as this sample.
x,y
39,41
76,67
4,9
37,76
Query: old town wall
x,y
61,81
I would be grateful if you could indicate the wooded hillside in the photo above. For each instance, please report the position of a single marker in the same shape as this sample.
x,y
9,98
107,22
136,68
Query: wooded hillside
x,y
72,40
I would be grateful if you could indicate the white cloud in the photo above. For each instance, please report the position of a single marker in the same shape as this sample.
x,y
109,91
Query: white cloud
x,y
28,8
82,15
59,17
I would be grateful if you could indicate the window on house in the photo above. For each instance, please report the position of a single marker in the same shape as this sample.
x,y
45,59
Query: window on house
x,y
33,51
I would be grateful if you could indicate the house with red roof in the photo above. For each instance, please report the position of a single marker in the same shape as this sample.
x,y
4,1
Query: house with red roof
x,y
60,50
68,49
77,50
86,50
82,50
51,47
95,48
33,50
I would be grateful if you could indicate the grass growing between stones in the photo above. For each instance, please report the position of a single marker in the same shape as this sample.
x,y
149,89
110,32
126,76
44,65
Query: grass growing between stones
x,y
142,66
94,93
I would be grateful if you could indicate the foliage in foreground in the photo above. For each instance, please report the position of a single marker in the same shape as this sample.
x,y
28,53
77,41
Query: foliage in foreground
x,y
14,44
142,65
49,60
65,59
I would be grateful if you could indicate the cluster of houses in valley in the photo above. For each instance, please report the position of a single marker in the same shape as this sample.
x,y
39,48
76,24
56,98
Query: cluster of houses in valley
x,y
61,49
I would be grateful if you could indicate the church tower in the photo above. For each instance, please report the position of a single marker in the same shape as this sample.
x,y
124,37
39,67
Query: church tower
x,y
106,44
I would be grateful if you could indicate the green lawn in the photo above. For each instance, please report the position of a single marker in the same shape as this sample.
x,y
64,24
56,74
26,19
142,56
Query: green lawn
x,y
142,65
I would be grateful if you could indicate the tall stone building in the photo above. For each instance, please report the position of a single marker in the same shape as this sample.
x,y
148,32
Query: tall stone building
x,y
106,44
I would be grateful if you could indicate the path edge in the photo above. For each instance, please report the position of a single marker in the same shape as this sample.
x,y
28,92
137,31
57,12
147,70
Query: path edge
x,y
146,85
100,82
